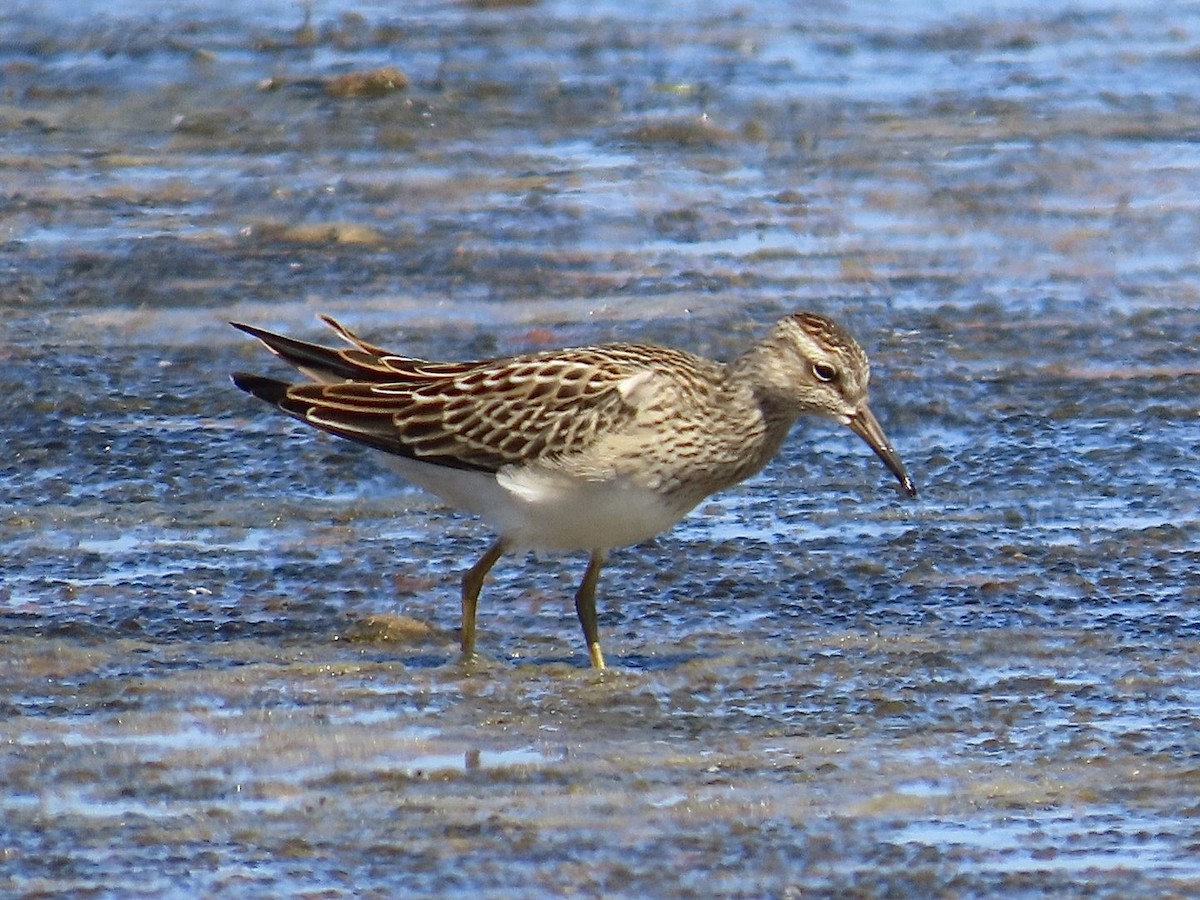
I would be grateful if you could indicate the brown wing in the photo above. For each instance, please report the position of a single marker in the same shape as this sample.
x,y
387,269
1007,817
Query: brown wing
x,y
478,415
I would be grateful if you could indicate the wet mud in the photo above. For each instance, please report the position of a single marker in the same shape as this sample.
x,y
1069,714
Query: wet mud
x,y
228,645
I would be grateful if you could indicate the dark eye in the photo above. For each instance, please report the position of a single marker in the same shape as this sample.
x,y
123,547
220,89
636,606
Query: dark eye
x,y
824,372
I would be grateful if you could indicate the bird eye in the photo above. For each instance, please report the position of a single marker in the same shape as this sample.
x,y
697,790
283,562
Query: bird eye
x,y
824,372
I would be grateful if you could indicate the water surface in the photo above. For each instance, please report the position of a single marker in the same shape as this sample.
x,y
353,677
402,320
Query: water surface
x,y
229,658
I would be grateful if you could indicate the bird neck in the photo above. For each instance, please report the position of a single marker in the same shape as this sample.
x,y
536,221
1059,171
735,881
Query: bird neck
x,y
757,374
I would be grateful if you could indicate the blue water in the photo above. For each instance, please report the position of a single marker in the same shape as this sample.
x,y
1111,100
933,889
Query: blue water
x,y
229,662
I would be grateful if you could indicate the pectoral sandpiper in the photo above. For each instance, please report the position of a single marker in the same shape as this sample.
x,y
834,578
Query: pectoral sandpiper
x,y
588,448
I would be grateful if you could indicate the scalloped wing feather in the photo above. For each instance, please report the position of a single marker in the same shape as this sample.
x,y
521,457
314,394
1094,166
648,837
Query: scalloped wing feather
x,y
471,415
485,416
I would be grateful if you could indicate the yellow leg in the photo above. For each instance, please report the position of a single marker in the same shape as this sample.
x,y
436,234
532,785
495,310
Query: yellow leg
x,y
585,607
472,584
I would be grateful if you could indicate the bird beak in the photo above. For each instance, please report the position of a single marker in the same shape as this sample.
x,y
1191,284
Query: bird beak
x,y
866,426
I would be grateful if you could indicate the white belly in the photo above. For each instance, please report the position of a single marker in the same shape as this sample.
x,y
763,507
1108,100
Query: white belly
x,y
545,511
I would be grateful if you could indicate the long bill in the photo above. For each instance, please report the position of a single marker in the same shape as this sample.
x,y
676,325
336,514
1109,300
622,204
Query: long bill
x,y
866,426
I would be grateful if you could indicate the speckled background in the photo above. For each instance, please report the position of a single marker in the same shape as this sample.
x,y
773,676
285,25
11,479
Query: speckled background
x,y
228,662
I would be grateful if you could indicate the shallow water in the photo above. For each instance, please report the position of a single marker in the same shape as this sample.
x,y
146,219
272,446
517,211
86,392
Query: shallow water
x,y
229,644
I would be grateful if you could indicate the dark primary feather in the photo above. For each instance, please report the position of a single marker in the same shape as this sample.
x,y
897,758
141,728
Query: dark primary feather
x,y
269,389
302,354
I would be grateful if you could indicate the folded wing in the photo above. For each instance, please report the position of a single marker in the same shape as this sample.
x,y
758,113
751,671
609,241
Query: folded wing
x,y
467,415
